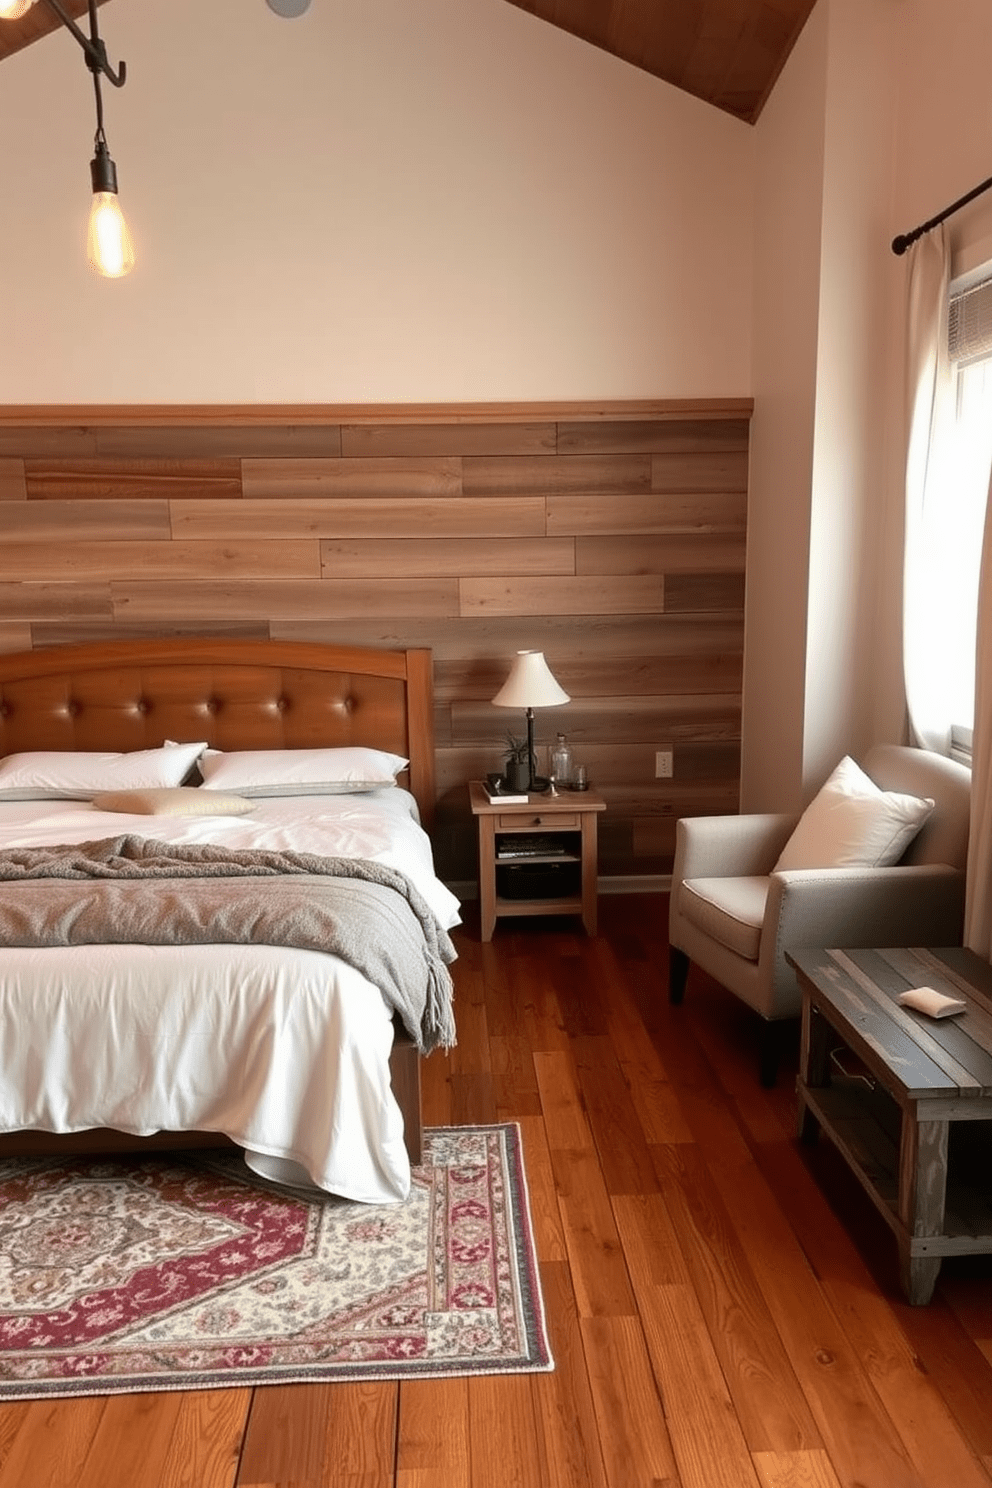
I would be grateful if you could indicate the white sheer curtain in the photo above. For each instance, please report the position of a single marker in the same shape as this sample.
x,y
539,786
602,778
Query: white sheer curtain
x,y
931,574
978,895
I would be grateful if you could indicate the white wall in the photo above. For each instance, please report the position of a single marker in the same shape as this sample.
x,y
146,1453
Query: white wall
x,y
880,120
789,208
849,426
377,202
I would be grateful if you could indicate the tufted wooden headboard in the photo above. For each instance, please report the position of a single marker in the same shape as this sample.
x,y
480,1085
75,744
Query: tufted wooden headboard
x,y
235,694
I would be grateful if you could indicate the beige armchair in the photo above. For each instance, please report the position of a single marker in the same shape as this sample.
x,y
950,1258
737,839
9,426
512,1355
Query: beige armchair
x,y
736,918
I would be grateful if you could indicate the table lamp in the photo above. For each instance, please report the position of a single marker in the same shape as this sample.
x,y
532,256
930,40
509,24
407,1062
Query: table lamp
x,y
531,685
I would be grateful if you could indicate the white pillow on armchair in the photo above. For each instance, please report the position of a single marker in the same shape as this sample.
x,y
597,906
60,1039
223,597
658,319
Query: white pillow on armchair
x,y
851,823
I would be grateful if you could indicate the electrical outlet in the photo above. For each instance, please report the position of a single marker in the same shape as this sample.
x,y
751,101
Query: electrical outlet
x,y
663,765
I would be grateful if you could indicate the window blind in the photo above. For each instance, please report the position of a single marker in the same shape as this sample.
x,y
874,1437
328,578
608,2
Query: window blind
x,y
969,330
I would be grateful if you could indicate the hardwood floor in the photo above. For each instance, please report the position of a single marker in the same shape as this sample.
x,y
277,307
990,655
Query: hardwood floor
x,y
723,1305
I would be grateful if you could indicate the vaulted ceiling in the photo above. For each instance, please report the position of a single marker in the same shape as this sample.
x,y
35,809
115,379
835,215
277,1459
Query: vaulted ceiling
x,y
726,52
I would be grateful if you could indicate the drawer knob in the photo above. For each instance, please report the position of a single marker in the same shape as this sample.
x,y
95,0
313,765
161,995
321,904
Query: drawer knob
x,y
536,822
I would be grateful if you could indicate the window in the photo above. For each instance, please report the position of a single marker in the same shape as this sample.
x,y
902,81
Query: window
x,y
965,493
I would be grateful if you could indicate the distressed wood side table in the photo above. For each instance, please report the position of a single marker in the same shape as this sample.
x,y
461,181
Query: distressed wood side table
x,y
906,1099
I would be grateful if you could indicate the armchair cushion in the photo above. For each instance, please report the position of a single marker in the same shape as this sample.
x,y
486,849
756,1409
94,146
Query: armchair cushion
x,y
852,823
729,910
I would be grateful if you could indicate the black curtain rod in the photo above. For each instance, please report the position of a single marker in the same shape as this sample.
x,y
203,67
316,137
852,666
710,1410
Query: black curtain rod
x,y
905,240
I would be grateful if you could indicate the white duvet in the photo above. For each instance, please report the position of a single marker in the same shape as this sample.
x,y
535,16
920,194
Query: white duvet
x,y
286,1052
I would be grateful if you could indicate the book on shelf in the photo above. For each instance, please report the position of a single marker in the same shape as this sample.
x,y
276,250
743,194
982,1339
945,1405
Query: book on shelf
x,y
530,847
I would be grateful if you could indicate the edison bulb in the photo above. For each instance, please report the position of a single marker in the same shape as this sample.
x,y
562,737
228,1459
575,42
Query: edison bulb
x,y
108,245
12,10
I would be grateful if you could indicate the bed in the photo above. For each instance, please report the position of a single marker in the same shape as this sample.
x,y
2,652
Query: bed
x,y
306,1057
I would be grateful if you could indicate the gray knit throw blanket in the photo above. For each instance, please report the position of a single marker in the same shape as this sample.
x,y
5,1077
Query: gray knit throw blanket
x,y
137,890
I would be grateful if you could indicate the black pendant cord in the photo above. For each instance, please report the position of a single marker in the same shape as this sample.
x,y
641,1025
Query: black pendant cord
x,y
96,52
906,240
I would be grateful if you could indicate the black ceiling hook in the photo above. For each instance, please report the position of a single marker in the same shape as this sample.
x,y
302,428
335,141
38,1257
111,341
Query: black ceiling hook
x,y
96,52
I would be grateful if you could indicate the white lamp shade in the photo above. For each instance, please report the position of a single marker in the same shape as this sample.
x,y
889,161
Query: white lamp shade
x,y
530,684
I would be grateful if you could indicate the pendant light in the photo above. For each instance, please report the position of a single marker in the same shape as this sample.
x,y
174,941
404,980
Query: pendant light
x,y
109,248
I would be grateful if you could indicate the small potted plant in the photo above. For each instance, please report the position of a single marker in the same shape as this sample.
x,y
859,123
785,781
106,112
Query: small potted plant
x,y
517,763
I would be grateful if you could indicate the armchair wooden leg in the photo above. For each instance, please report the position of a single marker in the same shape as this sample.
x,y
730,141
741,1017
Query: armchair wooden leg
x,y
768,1053
678,974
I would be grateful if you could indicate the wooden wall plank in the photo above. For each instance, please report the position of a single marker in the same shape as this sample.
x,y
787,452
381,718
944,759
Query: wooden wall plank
x,y
19,601
358,477
13,486
73,521
490,642
32,562
694,592
674,553
662,512
476,530
720,470
619,720
43,633
651,436
289,600
397,557
606,679
522,475
237,440
354,517
80,480
640,594
15,635
364,440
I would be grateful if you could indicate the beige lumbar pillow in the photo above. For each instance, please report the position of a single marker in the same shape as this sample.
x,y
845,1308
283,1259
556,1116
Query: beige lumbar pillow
x,y
851,823
179,800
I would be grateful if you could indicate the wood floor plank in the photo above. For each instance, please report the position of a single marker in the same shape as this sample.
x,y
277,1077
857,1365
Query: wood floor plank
x,y
12,1418
857,1431
943,1351
931,1436
770,1405
360,1444
514,1077
599,1271
561,1102
51,1448
612,1115
651,1092
286,1435
708,1443
636,1445
650,1245
132,1440
433,1437
563,1401
795,1470
206,1441
503,1432
549,1236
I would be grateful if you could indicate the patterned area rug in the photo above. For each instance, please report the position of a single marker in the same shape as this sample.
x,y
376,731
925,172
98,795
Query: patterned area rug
x,y
180,1273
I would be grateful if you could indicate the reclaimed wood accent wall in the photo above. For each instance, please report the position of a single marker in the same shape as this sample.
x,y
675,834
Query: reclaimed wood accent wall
x,y
612,537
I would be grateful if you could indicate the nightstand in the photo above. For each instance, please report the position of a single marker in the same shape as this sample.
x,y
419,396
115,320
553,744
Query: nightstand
x,y
537,858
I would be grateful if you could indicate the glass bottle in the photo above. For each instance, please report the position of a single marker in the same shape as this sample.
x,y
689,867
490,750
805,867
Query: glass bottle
x,y
561,762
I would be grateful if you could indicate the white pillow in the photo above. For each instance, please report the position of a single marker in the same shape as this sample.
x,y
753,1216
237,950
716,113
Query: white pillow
x,y
175,800
853,824
299,772
78,775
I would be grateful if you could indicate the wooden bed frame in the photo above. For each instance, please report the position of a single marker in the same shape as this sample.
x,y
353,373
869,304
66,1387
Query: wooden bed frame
x,y
235,694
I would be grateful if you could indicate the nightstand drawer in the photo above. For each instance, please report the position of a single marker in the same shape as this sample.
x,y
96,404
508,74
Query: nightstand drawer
x,y
526,821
